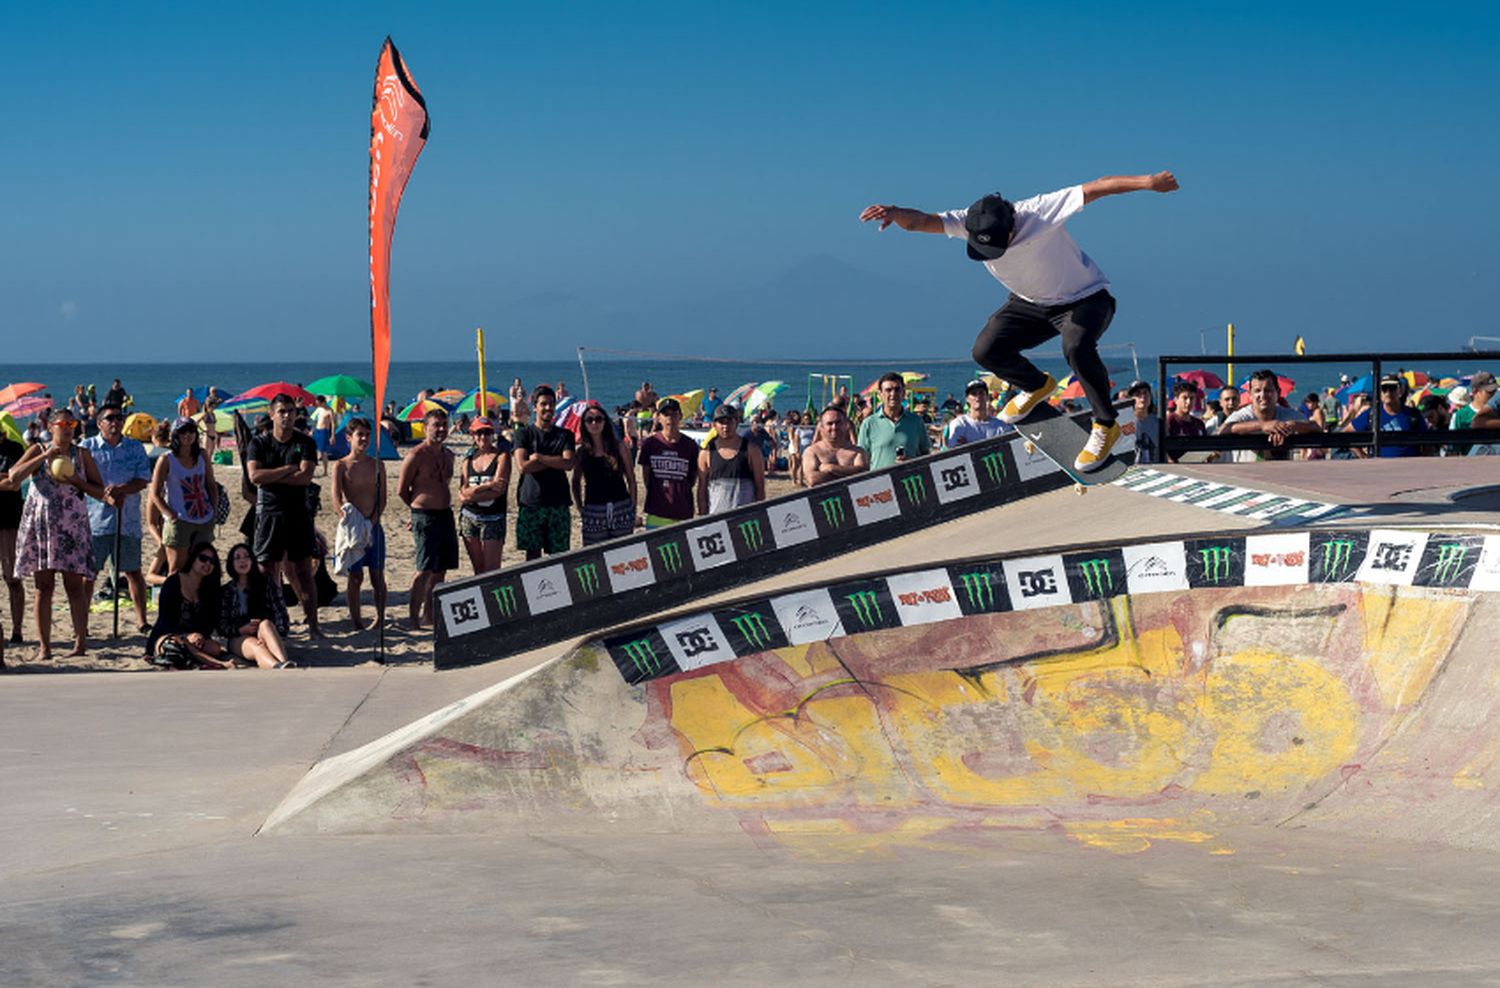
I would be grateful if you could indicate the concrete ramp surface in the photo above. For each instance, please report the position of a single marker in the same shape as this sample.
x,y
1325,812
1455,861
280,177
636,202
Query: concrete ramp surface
x,y
1362,707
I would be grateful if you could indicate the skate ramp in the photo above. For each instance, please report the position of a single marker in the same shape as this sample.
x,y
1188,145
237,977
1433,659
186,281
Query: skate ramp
x,y
1158,692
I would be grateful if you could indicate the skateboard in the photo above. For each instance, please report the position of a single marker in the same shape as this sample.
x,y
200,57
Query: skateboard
x,y
1059,437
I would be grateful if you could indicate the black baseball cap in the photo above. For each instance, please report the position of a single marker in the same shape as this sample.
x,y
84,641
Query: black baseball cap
x,y
989,223
976,385
668,406
726,411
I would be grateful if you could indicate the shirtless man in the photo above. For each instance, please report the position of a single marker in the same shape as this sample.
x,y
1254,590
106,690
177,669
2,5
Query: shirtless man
x,y
833,454
359,479
423,484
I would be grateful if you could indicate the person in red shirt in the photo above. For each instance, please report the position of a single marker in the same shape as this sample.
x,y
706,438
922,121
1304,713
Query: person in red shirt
x,y
1181,421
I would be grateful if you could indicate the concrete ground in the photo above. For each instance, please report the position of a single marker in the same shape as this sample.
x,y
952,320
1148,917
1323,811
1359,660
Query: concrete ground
x,y
129,854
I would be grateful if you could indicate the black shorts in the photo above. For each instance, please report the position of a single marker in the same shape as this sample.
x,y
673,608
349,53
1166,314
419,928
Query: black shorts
x,y
282,536
436,539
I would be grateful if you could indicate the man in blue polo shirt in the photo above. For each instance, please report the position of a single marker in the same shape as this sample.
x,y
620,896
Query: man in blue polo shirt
x,y
126,471
892,433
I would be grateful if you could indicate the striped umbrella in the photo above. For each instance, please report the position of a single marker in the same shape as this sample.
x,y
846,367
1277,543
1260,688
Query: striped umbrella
x,y
738,395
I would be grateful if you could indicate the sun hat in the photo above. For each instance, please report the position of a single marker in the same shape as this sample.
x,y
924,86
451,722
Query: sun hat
x,y
988,224
1458,396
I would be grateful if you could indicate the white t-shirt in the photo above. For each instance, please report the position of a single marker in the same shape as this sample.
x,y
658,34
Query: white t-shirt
x,y
967,429
1246,413
1042,264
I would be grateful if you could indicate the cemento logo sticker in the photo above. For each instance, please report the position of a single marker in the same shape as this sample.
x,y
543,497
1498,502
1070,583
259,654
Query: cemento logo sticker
x,y
1157,567
1392,557
1032,465
922,598
874,500
954,478
808,616
1487,572
629,567
546,589
1038,581
696,641
1276,560
710,546
792,523
464,611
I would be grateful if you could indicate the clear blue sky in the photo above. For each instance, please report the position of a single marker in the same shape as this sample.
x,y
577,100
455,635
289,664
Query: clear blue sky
x,y
187,182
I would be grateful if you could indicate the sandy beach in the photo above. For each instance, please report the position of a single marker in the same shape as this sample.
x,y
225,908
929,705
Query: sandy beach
x,y
343,647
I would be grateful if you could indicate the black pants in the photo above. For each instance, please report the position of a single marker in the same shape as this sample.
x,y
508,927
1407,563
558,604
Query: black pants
x,y
1020,325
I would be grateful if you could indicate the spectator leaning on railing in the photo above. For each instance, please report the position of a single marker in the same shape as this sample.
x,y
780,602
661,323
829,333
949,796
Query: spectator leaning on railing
x,y
1265,415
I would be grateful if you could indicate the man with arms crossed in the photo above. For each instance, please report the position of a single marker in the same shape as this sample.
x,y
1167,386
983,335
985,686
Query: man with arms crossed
x,y
423,484
832,455
359,479
543,457
281,465
1056,289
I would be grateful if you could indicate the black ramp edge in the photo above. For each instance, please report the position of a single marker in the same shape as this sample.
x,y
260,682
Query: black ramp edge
x,y
494,615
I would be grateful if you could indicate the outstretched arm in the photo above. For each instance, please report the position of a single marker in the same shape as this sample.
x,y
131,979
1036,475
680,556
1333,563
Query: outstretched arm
x,y
911,220
1113,185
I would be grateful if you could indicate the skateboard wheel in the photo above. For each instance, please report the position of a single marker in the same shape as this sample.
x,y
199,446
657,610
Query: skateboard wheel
x,y
1080,489
1030,448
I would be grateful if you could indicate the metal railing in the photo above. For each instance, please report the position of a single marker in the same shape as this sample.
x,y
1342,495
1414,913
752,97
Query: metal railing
x,y
1373,439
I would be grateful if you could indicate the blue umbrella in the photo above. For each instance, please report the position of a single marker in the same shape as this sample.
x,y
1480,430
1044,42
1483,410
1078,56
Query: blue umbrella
x,y
339,447
1362,385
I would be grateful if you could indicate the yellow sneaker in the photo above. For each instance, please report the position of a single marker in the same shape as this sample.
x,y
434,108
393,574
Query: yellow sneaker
x,y
1102,439
1025,402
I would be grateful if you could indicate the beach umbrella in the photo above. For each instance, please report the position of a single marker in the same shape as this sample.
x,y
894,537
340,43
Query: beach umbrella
x,y
341,386
1360,385
417,410
1287,386
13,392
29,405
8,428
448,396
381,446
1203,379
271,390
690,402
139,425
738,395
1414,379
763,394
913,377
470,402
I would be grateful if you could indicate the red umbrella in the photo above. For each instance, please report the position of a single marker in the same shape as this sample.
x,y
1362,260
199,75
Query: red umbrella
x,y
269,391
11,392
22,407
1287,386
1205,380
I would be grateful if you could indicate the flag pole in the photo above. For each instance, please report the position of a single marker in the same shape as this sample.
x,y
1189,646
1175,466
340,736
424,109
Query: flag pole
x,y
484,398
1229,370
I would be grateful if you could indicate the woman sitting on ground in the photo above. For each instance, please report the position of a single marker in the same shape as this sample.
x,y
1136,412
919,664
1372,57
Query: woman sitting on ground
x,y
252,618
187,614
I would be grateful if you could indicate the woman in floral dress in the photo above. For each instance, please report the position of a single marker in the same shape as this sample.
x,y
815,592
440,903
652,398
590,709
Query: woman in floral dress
x,y
54,536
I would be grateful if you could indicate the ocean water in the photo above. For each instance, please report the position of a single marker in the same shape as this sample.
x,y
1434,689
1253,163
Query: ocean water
x,y
156,387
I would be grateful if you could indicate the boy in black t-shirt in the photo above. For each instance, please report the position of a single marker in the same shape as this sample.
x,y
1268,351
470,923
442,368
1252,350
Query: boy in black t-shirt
x,y
281,466
543,457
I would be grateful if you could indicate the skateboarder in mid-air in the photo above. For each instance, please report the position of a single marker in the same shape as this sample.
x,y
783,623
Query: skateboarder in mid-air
x,y
1055,290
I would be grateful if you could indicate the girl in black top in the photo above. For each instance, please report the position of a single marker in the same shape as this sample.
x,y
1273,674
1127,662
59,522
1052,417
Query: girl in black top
x,y
482,488
603,481
252,617
187,614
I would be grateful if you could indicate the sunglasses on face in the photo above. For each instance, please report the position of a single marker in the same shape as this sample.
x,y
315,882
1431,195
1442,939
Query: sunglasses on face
x,y
206,558
593,420
113,418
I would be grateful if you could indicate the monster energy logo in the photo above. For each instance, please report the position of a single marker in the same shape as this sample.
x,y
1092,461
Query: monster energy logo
x,y
866,607
588,578
1450,561
642,655
1337,554
1097,578
1215,563
505,599
994,465
833,511
750,533
753,628
671,556
979,589
915,487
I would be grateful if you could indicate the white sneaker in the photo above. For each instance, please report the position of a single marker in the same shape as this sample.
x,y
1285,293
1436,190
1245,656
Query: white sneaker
x,y
1025,402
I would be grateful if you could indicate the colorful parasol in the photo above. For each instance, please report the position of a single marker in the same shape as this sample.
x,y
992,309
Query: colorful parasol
x,y
470,402
1203,379
738,395
13,392
341,386
690,402
268,391
22,407
763,395
417,410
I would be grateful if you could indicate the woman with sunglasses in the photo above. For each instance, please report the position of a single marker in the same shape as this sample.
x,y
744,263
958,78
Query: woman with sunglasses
x,y
603,480
252,617
484,481
187,615
54,536
183,490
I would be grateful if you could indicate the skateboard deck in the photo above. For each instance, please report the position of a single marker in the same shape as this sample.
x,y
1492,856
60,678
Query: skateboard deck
x,y
1059,437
